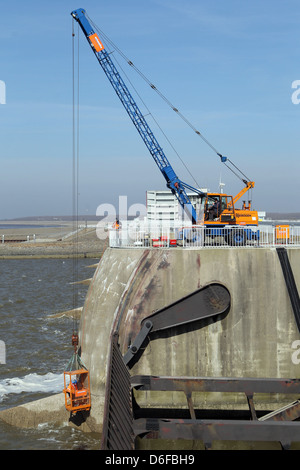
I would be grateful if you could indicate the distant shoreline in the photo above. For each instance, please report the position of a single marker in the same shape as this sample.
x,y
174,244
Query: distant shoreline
x,y
93,219
50,242
49,256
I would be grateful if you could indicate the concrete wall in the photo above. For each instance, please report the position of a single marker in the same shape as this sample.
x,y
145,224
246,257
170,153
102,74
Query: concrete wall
x,y
254,340
110,284
30,415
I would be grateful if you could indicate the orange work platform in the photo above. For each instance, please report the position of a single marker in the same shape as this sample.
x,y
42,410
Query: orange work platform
x,y
77,390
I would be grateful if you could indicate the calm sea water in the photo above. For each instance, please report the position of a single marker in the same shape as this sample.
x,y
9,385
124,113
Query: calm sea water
x,y
38,347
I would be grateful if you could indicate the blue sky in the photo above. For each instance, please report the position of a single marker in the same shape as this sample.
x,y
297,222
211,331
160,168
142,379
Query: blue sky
x,y
228,66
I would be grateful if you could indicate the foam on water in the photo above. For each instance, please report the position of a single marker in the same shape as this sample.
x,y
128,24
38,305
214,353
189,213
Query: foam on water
x,y
32,383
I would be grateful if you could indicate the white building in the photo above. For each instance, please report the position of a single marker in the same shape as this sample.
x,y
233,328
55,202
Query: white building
x,y
164,208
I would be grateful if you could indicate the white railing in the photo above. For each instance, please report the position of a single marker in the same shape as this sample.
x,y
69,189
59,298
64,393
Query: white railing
x,y
203,237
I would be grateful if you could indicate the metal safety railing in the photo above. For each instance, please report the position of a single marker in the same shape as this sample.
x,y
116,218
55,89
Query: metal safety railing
x,y
205,237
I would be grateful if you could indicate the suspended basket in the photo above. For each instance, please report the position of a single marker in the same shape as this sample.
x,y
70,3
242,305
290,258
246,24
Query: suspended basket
x,y
77,386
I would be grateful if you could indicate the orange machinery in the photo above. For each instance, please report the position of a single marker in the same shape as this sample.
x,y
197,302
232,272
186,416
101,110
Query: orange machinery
x,y
219,209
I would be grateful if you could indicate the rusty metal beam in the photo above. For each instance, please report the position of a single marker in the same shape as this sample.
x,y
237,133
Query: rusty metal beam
x,y
273,427
209,431
124,421
288,412
212,384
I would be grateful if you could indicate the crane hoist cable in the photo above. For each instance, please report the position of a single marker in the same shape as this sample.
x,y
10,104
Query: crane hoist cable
x,y
75,171
224,159
76,375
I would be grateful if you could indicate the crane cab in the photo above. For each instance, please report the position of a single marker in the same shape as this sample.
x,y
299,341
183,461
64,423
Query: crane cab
x,y
219,209
77,390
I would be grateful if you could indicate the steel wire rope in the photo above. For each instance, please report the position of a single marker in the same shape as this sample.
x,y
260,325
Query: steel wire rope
x,y
75,174
176,110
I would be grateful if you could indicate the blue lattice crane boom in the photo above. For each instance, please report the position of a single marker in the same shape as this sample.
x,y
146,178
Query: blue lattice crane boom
x,y
177,186
219,209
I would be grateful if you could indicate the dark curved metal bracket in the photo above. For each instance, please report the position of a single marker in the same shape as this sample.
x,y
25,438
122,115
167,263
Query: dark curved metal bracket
x,y
208,301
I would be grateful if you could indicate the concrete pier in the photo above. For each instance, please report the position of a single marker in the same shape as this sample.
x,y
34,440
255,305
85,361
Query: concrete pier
x,y
255,339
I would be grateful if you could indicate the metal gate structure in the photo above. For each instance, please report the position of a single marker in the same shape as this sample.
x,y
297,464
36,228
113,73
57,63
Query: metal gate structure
x,y
125,421
117,431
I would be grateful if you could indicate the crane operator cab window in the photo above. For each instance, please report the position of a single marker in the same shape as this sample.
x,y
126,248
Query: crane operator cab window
x,y
212,208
